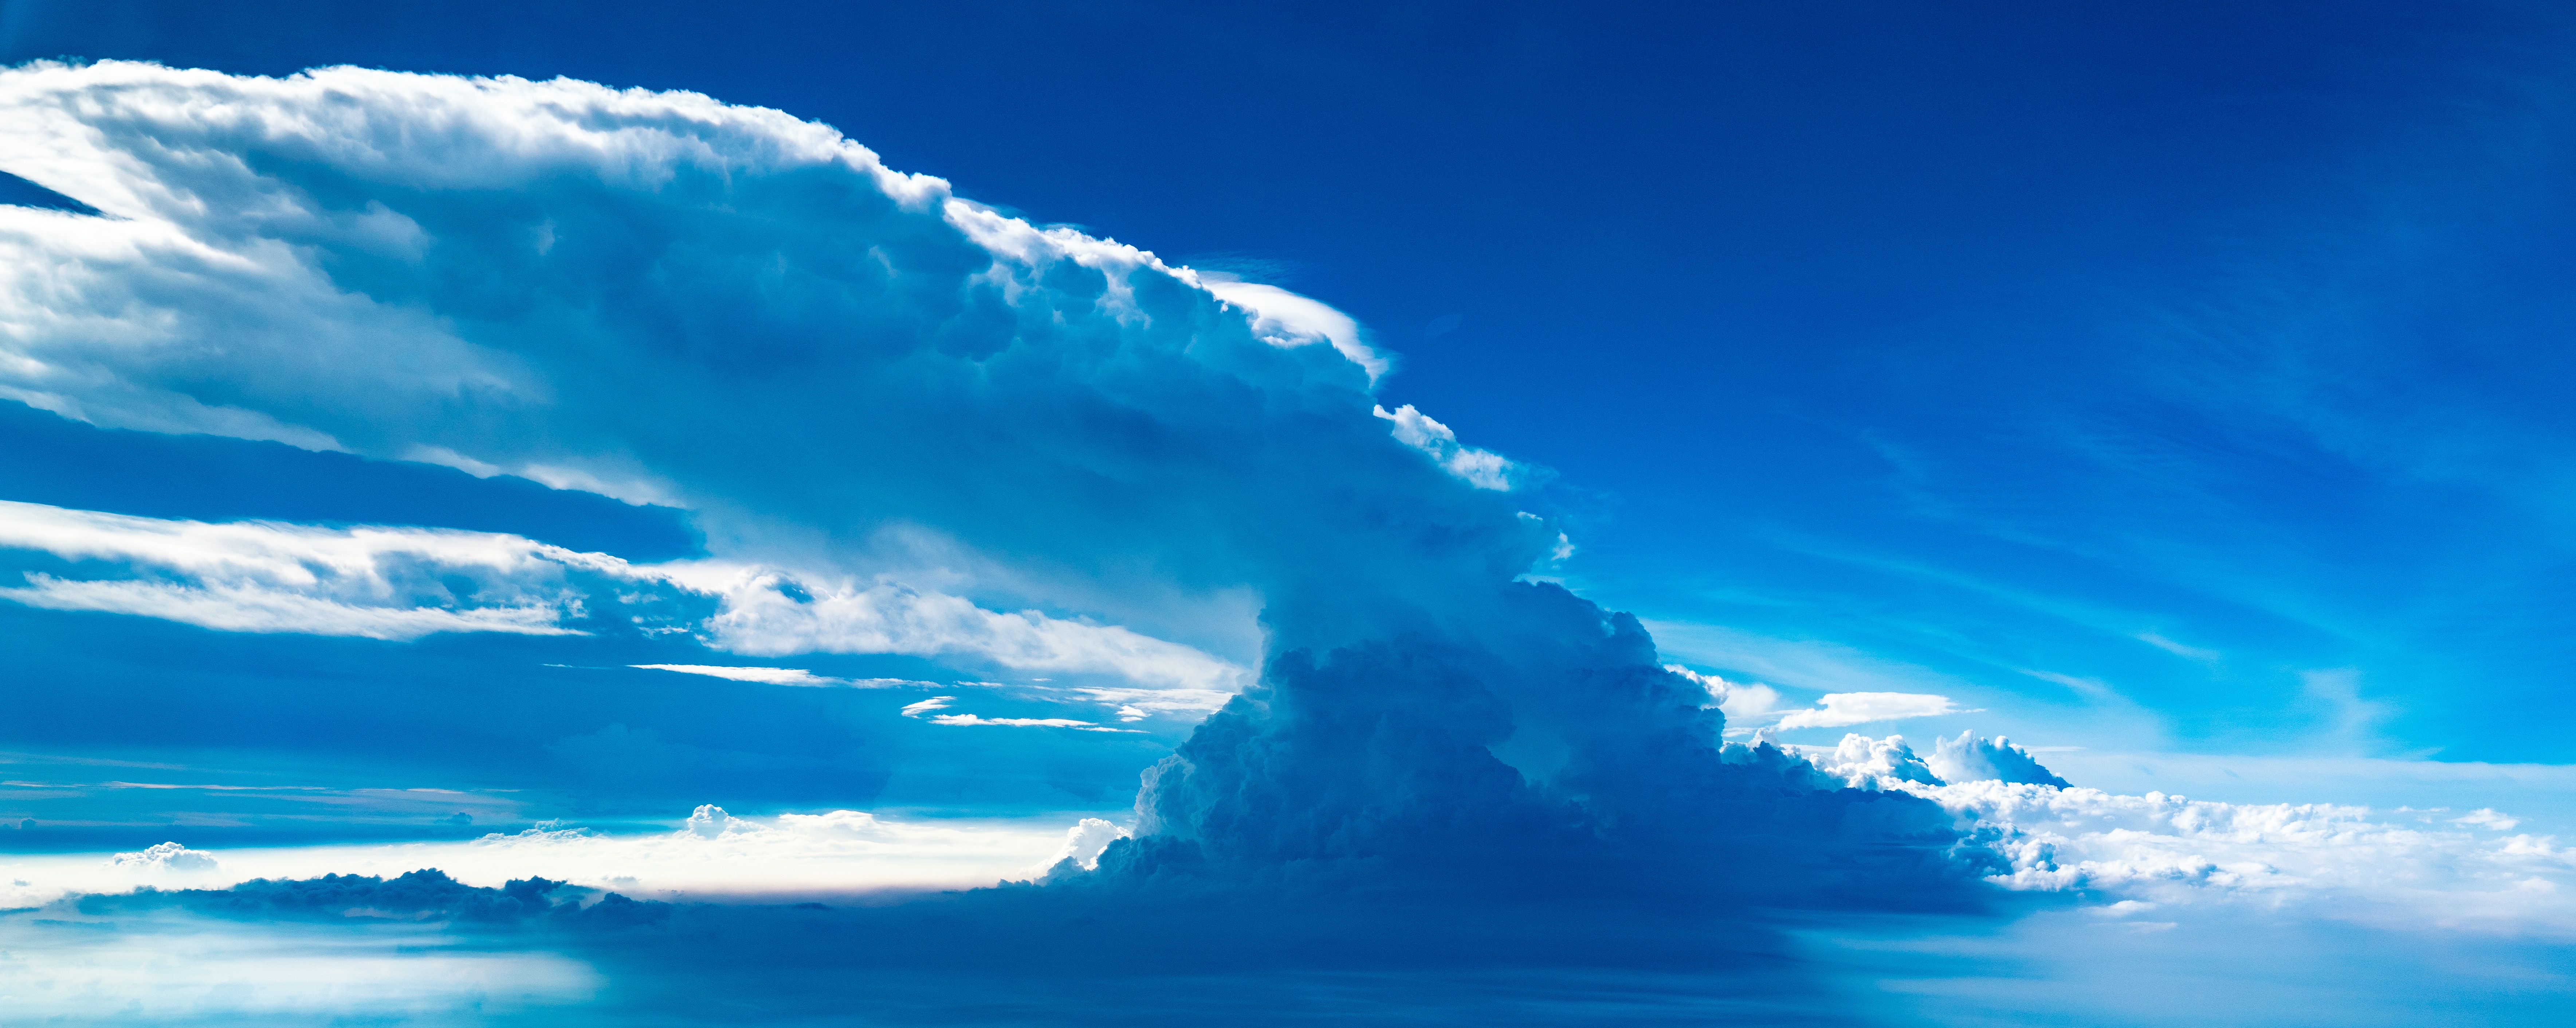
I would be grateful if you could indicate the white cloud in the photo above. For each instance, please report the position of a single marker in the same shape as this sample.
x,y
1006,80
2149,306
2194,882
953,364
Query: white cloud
x,y
1024,722
1836,710
1865,763
710,855
1084,842
1751,705
2170,849
2404,868
716,852
382,583
1968,757
1143,702
2487,818
775,675
166,857
404,583
230,608
1483,469
710,821
1739,701
1283,318
761,617
928,705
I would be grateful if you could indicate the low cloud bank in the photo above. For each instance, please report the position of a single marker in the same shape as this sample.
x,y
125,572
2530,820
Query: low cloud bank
x,y
1368,928
2145,859
995,956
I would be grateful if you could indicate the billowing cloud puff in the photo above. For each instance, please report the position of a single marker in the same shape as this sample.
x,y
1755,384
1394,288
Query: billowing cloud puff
x,y
2134,854
1866,763
1084,842
1972,758
2404,868
1483,469
167,856
1740,701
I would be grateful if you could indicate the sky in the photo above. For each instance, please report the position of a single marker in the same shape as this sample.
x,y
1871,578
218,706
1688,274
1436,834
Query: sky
x,y
1861,513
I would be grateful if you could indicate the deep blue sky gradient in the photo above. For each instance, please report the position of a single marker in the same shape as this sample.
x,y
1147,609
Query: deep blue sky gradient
x,y
1974,340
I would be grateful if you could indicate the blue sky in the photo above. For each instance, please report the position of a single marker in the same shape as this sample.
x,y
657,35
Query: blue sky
x,y
934,419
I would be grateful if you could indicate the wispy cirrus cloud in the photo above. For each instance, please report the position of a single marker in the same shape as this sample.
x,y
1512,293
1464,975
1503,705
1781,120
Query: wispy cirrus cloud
x,y
1748,705
777,675
380,583
2188,652
968,720
398,583
1841,709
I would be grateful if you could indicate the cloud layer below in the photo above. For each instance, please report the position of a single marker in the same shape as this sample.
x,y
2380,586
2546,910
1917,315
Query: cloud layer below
x,y
713,854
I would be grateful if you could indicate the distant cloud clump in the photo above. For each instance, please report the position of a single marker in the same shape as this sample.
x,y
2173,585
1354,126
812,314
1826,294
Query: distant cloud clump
x,y
168,856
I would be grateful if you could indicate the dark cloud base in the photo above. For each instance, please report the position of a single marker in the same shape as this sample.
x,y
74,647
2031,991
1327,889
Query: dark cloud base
x,y
1175,953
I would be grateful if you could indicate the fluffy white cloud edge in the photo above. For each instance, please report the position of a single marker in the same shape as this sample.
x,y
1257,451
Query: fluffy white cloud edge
x,y
2406,869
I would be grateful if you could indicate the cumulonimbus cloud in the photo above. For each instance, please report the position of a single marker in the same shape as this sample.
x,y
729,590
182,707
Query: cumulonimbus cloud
x,y
664,298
